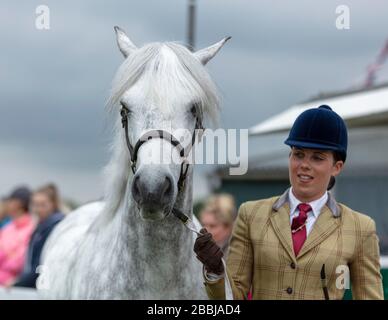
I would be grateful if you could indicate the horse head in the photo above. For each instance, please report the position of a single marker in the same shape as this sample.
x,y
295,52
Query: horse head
x,y
164,94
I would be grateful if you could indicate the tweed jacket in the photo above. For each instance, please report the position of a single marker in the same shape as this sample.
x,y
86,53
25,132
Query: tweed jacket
x,y
261,256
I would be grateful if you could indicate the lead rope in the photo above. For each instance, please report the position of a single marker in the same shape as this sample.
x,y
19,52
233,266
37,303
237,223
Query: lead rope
x,y
189,224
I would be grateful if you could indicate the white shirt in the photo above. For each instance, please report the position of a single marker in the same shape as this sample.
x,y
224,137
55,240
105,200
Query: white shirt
x,y
312,216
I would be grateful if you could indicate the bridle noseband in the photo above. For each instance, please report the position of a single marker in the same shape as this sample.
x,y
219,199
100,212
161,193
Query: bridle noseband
x,y
161,134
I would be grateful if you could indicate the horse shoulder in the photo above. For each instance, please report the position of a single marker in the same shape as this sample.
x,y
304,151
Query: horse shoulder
x,y
60,250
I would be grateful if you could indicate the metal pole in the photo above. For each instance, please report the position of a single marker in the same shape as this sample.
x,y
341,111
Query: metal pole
x,y
191,25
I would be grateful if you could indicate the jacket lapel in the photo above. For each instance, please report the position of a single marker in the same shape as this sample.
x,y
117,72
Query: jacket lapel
x,y
325,225
280,221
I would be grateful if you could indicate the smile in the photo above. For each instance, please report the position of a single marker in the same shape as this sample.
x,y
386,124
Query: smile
x,y
305,177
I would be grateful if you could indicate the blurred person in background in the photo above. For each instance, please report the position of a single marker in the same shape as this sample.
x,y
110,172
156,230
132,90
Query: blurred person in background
x,y
15,236
4,219
45,204
217,217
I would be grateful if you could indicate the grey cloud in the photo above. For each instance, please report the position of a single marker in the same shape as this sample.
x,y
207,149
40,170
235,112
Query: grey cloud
x,y
53,84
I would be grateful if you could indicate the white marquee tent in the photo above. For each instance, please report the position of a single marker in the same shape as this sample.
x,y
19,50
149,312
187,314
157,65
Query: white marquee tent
x,y
359,108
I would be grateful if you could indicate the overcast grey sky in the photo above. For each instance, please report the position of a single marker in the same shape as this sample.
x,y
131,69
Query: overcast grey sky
x,y
53,84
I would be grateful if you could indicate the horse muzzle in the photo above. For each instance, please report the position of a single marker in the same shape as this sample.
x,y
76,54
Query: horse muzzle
x,y
154,195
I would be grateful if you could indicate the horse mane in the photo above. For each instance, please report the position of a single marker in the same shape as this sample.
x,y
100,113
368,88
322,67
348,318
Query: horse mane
x,y
170,65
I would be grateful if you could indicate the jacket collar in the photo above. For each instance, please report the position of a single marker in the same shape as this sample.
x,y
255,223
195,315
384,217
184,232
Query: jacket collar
x,y
331,203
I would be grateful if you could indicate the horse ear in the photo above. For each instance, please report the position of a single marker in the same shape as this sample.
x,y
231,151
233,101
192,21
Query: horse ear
x,y
206,54
126,46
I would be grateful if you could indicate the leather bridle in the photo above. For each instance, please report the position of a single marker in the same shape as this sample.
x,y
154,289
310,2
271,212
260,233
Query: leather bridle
x,y
161,134
183,152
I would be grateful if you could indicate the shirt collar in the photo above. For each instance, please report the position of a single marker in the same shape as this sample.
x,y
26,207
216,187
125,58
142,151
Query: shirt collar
x,y
316,205
331,203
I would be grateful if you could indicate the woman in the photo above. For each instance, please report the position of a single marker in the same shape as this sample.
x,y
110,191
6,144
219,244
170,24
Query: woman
x,y
303,244
45,205
15,236
218,217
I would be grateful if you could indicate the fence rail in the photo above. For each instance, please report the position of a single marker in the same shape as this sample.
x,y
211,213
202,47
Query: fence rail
x,y
18,294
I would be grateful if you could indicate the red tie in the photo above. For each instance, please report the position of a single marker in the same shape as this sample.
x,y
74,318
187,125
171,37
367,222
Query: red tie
x,y
298,227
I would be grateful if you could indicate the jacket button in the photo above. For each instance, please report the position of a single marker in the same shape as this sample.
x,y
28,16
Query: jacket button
x,y
292,265
289,290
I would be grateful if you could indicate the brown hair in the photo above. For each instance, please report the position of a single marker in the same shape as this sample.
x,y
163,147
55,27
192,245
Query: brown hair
x,y
223,206
337,157
51,191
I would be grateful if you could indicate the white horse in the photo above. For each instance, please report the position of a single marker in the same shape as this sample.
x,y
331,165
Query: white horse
x,y
130,246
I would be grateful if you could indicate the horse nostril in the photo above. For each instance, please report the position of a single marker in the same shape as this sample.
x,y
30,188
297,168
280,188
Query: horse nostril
x,y
136,193
168,184
166,190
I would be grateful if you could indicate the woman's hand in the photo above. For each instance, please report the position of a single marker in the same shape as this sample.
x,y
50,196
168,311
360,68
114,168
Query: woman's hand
x,y
208,252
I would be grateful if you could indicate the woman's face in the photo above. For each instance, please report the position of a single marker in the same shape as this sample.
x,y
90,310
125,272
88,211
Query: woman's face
x,y
14,208
310,171
41,205
219,230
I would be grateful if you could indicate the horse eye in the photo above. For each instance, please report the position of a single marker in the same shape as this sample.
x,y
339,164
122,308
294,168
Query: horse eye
x,y
193,110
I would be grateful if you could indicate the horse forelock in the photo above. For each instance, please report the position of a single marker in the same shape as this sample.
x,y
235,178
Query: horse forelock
x,y
165,66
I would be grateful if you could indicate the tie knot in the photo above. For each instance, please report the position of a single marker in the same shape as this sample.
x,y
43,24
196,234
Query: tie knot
x,y
304,208
299,221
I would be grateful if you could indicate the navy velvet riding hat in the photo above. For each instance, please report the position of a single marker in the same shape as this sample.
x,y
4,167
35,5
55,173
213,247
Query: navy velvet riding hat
x,y
319,128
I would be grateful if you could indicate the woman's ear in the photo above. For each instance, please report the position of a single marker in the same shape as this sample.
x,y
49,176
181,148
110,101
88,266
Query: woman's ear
x,y
337,168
